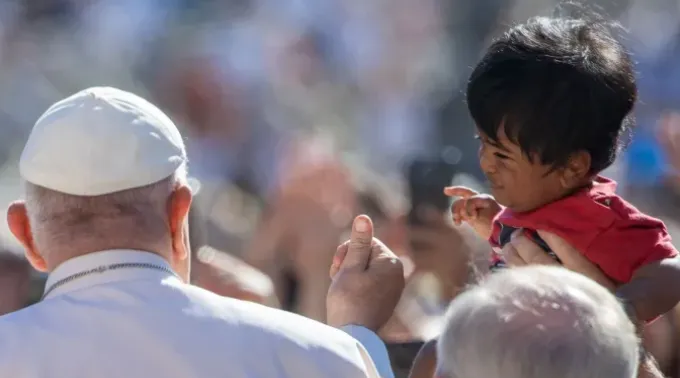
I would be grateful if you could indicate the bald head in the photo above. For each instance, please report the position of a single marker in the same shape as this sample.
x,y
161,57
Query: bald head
x,y
537,322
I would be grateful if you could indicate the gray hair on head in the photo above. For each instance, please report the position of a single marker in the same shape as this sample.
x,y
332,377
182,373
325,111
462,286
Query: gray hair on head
x,y
122,219
537,322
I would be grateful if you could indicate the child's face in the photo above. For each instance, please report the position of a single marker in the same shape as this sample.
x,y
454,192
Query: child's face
x,y
515,181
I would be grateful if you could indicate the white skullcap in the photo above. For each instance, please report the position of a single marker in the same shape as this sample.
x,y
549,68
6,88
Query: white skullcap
x,y
99,141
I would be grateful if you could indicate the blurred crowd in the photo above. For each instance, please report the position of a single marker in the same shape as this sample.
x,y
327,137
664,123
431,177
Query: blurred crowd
x,y
300,114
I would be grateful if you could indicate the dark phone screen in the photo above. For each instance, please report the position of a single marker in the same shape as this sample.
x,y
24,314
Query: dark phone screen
x,y
427,180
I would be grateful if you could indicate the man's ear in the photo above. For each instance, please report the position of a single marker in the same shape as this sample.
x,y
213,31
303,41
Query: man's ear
x,y
576,170
17,220
178,211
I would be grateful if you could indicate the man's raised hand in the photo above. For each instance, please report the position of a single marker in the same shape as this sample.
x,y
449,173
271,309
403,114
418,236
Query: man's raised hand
x,y
367,280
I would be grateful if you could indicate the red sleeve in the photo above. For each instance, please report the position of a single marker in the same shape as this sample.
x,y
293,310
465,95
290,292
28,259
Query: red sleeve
x,y
630,243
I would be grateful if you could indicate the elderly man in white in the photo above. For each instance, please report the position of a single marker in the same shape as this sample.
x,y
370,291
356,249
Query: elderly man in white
x,y
537,322
106,215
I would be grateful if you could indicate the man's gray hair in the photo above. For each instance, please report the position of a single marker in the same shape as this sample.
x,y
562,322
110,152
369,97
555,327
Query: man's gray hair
x,y
537,322
58,219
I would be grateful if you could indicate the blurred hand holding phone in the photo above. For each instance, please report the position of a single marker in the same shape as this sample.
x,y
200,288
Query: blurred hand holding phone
x,y
427,179
435,246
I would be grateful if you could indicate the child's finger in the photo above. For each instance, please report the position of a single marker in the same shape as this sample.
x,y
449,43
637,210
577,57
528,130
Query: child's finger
x,y
457,220
457,208
459,191
473,205
470,211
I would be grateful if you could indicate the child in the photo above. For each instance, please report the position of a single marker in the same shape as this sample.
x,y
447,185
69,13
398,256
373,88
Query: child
x,y
551,100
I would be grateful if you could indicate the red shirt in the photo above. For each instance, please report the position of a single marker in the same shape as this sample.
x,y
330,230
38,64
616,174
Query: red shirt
x,y
609,231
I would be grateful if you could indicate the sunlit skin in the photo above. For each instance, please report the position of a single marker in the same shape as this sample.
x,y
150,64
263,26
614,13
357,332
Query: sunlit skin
x,y
522,182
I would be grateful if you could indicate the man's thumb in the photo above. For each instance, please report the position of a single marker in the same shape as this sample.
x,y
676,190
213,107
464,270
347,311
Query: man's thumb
x,y
360,243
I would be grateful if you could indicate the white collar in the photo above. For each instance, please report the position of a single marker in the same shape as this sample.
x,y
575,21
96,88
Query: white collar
x,y
102,259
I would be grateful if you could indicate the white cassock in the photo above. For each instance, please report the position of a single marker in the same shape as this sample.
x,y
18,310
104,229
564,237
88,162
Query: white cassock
x,y
125,314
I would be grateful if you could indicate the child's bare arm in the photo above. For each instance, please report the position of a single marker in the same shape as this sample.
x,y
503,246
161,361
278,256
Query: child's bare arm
x,y
654,289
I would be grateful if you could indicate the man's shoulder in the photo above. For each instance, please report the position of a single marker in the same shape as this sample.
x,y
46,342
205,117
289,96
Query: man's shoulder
x,y
15,333
259,318
186,304
26,317
284,333
197,316
257,322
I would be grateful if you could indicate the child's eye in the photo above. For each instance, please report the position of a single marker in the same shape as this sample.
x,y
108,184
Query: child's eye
x,y
501,156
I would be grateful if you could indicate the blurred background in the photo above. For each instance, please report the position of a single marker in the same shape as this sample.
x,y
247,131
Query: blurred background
x,y
299,114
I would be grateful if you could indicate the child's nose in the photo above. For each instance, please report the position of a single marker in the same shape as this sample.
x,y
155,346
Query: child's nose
x,y
486,162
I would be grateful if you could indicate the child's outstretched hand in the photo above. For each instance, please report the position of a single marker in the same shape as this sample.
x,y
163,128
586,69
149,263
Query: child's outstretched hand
x,y
477,210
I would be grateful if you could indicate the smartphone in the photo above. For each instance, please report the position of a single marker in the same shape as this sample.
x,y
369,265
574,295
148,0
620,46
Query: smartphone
x,y
427,179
